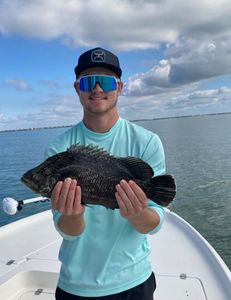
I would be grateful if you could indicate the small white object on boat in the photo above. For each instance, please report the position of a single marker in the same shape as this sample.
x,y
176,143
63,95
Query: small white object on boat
x,y
185,264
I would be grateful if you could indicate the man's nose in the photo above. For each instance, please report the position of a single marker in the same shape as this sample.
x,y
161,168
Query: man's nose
x,y
97,87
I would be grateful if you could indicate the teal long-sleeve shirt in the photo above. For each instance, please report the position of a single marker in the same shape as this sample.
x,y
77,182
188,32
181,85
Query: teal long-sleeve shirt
x,y
110,256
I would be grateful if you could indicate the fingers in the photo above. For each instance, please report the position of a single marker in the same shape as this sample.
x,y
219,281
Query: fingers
x,y
66,197
62,201
78,208
70,197
131,199
55,194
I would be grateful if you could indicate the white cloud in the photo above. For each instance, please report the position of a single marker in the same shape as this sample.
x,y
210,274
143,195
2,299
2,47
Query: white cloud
x,y
197,33
55,111
196,36
56,84
66,110
152,82
188,100
19,84
2,118
187,62
122,24
193,60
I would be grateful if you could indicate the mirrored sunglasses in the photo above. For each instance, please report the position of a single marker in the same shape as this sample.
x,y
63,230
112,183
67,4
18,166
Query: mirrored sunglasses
x,y
106,82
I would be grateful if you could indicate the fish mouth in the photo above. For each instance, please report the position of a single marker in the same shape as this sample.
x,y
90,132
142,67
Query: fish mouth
x,y
25,180
46,191
29,183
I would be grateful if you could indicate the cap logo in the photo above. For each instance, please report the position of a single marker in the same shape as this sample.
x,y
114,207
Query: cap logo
x,y
98,56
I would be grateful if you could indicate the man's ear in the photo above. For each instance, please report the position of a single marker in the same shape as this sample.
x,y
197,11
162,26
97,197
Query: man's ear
x,y
120,87
76,86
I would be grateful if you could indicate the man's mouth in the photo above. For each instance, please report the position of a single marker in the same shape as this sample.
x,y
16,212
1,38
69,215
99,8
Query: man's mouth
x,y
97,98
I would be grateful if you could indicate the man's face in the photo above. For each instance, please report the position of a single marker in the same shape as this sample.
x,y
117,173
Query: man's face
x,y
97,101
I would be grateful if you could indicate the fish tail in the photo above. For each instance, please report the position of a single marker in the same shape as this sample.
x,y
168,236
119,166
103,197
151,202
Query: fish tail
x,y
160,189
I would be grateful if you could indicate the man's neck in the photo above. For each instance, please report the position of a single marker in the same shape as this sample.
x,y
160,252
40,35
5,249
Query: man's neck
x,y
100,124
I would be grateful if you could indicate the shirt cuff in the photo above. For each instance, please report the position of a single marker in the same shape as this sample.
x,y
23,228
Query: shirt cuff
x,y
161,212
56,217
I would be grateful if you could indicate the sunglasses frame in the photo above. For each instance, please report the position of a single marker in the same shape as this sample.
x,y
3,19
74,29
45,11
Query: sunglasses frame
x,y
117,80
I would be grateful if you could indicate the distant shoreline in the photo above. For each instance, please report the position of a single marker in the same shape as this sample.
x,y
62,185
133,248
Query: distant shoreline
x,y
134,120
179,117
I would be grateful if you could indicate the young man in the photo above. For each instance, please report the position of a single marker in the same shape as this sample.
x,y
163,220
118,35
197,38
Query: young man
x,y
105,253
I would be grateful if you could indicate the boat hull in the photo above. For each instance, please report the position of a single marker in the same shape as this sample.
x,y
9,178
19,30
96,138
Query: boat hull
x,y
185,264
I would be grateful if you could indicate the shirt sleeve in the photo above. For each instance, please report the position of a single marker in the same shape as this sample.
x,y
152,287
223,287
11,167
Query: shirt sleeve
x,y
56,217
161,212
155,157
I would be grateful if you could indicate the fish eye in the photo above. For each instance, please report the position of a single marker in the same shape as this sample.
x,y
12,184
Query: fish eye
x,y
36,178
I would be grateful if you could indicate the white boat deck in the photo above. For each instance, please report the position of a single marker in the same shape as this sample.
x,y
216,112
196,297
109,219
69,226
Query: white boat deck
x,y
186,266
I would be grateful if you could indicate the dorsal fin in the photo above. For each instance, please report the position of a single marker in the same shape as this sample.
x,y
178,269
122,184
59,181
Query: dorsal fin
x,y
89,150
136,166
139,168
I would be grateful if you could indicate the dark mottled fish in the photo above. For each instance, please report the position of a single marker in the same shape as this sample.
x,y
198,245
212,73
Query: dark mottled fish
x,y
98,172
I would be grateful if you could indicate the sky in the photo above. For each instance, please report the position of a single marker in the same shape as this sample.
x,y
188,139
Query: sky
x,y
175,56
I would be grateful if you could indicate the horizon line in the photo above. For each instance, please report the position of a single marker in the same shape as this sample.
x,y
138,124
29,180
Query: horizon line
x,y
132,120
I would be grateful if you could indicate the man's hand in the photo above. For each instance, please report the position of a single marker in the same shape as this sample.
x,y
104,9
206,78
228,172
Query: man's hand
x,y
66,198
133,204
131,199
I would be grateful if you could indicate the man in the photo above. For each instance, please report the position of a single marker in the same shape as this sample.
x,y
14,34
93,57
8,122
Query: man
x,y
105,253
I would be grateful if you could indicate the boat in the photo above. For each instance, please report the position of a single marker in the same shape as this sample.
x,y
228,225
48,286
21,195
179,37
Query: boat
x,y
185,264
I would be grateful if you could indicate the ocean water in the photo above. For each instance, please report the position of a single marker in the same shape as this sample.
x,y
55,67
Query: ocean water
x,y
197,152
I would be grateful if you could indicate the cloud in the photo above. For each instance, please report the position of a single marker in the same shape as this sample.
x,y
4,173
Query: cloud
x,y
60,109
192,61
188,100
2,118
187,62
18,84
154,81
126,25
195,36
57,110
51,84
76,22
57,84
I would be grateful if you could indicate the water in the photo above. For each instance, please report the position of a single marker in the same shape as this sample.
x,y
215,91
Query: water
x,y
20,151
197,153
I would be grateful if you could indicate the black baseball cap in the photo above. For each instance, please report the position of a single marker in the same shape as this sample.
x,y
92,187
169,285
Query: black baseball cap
x,y
98,57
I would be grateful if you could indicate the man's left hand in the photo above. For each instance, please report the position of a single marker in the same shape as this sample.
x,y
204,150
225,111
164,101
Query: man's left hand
x,y
131,199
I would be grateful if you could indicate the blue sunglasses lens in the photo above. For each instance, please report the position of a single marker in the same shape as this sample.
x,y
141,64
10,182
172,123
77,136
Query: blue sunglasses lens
x,y
107,83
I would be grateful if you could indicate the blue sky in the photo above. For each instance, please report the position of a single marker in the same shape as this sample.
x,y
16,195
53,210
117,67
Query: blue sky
x,y
175,56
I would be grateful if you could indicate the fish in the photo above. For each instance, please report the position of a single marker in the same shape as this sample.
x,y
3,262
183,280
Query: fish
x,y
98,172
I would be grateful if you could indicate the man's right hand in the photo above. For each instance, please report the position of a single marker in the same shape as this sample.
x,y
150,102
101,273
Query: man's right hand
x,y
66,197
